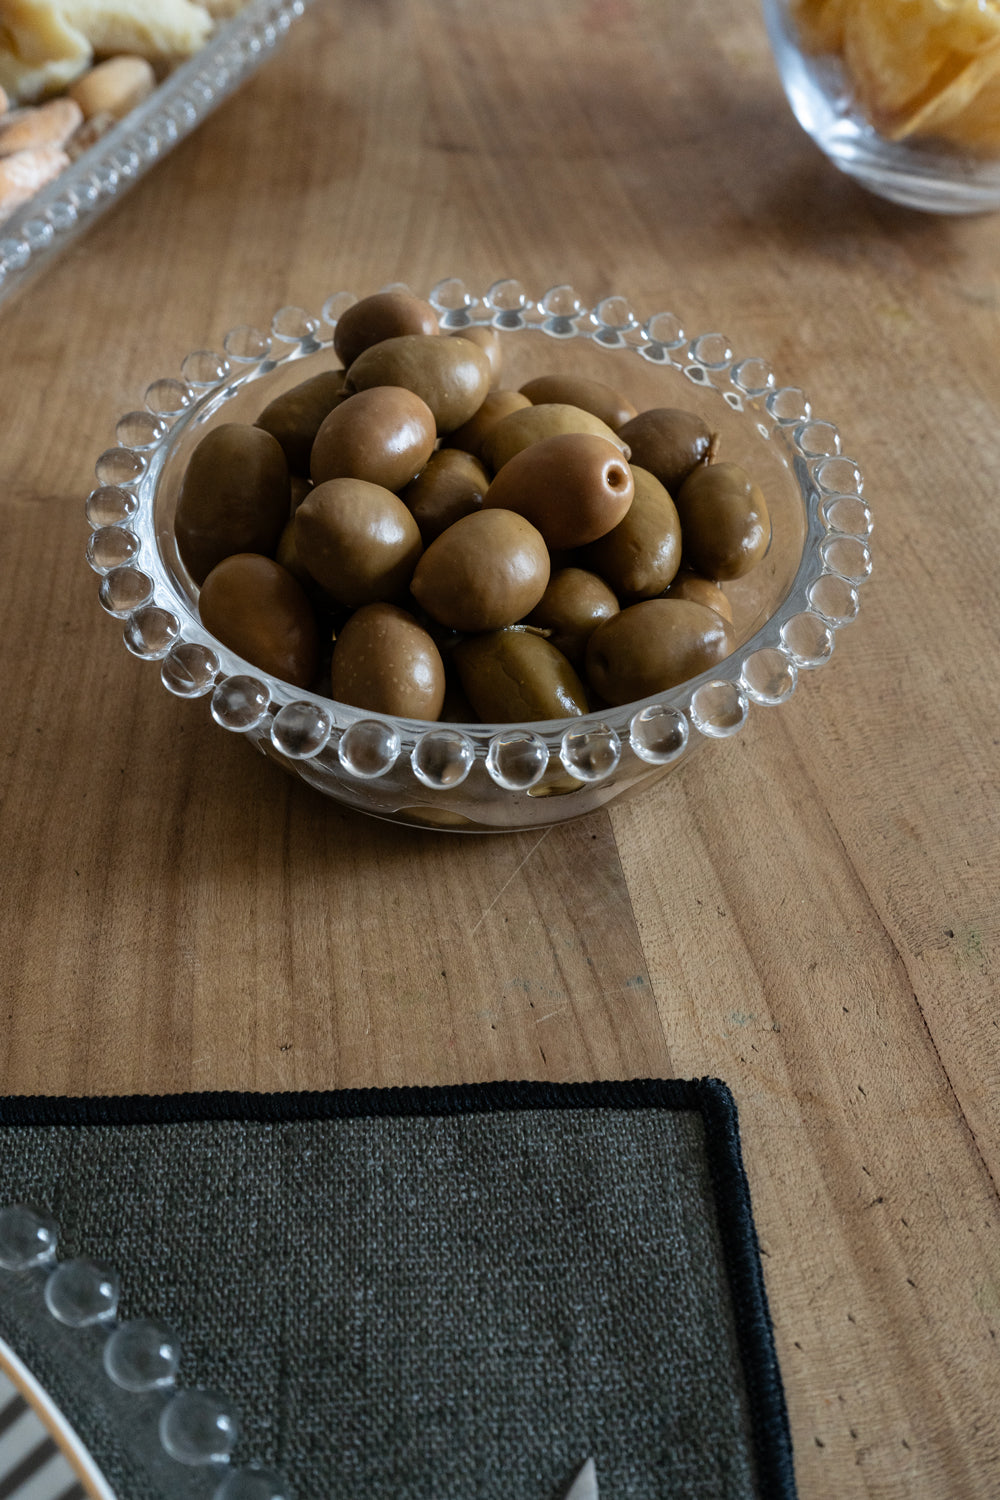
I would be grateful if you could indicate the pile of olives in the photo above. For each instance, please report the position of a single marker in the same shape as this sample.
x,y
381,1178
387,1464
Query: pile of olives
x,y
408,536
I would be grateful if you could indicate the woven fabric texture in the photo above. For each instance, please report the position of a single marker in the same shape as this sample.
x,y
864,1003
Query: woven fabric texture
x,y
412,1306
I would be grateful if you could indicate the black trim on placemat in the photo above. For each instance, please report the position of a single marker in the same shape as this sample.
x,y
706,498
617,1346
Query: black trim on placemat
x,y
709,1097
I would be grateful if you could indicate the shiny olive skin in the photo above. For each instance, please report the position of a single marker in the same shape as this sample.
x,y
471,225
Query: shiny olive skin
x,y
725,522
699,590
574,604
515,676
234,497
451,374
383,660
653,646
643,552
450,485
384,435
600,400
487,570
295,416
383,315
358,541
573,486
530,424
669,442
488,340
255,607
472,434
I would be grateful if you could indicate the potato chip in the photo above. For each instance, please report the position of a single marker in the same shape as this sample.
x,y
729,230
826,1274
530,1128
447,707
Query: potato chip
x,y
820,23
964,112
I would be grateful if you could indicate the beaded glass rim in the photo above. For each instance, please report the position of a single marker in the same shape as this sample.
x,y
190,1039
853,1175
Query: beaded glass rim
x,y
47,223
196,1429
161,624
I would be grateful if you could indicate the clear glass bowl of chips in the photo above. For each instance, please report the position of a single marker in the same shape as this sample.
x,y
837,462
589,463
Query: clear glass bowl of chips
x,y
902,95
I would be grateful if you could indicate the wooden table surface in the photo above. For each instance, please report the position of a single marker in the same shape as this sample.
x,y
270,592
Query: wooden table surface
x,y
807,911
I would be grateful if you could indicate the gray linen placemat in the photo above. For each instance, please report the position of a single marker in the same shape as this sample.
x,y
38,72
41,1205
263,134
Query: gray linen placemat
x,y
432,1294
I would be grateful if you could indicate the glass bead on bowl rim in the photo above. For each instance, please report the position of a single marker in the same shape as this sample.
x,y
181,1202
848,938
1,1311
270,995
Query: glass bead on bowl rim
x,y
252,1484
82,1292
240,703
142,1355
369,748
517,759
659,734
198,1427
28,1237
590,754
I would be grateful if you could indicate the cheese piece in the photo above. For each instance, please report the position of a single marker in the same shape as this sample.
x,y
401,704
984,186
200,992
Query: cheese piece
x,y
40,50
159,30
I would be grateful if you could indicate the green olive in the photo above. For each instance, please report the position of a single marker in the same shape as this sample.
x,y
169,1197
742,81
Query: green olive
x,y
579,390
450,485
574,604
670,443
383,660
384,435
724,519
256,608
472,434
699,590
383,315
529,424
653,646
515,676
643,552
488,340
294,417
573,486
487,570
358,541
234,497
452,375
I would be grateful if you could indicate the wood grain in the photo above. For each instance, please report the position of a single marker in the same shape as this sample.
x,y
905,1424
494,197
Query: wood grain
x,y
808,911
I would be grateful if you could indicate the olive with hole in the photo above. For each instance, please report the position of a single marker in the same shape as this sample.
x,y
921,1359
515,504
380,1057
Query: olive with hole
x,y
295,416
574,604
574,487
530,424
595,396
689,585
725,521
654,645
450,485
358,541
669,442
384,435
451,374
383,315
235,496
495,406
515,676
383,660
643,552
255,607
487,570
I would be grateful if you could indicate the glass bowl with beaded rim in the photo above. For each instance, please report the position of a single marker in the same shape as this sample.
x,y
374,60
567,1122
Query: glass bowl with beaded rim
x,y
501,776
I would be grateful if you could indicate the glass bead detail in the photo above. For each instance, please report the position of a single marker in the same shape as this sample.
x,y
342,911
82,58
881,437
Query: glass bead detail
x,y
834,598
142,1355
111,547
300,730
151,632
590,754
719,709
808,639
198,1427
123,590
769,676
442,758
848,556
82,1292
368,748
517,759
28,1237
659,734
240,703
119,466
189,670
252,1484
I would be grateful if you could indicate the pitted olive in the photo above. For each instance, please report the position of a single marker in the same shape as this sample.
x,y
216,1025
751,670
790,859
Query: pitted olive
x,y
574,487
530,424
600,400
451,374
699,590
670,443
294,417
234,497
450,485
358,541
256,608
472,435
383,660
384,435
643,552
724,519
487,570
383,315
653,646
515,676
574,604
